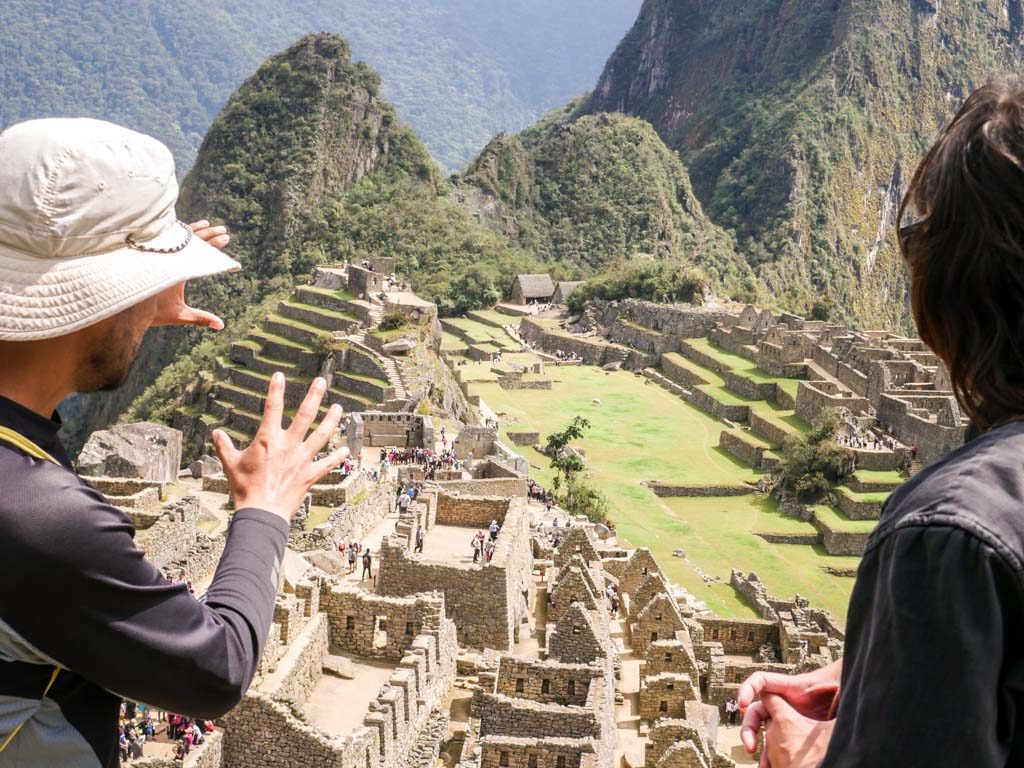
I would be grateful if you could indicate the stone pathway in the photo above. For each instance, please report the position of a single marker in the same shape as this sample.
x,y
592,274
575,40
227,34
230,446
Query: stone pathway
x,y
629,746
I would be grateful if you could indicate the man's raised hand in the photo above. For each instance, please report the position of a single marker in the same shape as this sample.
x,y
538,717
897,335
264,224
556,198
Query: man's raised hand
x,y
278,468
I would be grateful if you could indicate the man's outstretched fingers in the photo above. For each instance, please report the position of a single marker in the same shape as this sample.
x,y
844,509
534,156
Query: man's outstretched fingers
x,y
332,461
322,434
225,449
755,716
274,405
308,410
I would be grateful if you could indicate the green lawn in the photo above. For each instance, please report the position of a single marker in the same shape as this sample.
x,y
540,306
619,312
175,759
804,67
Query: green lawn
x,y
890,476
643,432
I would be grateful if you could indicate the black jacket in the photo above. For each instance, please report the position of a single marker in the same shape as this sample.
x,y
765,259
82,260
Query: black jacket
x,y
934,667
76,592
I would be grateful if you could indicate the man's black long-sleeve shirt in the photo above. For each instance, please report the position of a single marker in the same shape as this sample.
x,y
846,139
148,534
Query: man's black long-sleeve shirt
x,y
77,593
933,673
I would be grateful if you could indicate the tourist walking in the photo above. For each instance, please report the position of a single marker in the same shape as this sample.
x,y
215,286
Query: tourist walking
x,y
731,708
91,256
352,549
367,565
494,529
419,540
934,648
478,546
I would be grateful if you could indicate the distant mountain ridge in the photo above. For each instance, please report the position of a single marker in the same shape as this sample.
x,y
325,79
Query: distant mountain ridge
x,y
801,121
459,71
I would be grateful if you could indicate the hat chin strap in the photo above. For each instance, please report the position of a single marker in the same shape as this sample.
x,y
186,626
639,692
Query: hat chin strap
x,y
131,242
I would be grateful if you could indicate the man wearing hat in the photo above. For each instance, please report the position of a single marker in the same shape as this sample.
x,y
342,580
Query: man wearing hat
x,y
91,256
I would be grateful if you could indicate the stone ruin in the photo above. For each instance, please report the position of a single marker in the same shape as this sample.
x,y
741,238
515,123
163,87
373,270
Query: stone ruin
x,y
512,661
869,375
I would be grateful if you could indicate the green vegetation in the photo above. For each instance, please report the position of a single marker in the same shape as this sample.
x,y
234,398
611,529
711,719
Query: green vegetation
x,y
642,432
394,321
601,191
572,490
641,278
812,463
802,145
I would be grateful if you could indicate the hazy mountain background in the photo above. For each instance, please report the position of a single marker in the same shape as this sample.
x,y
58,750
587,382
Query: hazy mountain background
x,y
458,71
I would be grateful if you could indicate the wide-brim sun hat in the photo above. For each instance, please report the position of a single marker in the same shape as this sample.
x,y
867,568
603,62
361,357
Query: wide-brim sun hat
x,y
88,226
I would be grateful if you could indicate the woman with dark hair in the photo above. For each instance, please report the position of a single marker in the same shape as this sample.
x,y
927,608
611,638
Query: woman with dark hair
x,y
933,673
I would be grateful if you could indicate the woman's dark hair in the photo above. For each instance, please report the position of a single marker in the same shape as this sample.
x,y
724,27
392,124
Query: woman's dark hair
x,y
965,253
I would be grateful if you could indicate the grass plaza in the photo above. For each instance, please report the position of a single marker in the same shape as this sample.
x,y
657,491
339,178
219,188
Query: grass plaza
x,y
639,432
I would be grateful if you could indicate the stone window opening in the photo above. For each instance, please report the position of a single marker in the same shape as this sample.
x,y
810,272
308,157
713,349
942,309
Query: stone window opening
x,y
657,617
545,686
714,634
663,706
732,635
531,761
670,686
560,761
654,637
380,632
644,571
750,636
409,629
570,688
350,622
520,684
575,630
668,657
503,759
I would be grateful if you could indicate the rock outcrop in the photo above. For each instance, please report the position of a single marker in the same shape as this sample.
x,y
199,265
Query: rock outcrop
x,y
143,450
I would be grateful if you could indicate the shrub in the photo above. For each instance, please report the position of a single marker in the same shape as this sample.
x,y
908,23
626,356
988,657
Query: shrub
x,y
394,321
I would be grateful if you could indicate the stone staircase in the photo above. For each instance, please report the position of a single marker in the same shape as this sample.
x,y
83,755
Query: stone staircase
x,y
915,467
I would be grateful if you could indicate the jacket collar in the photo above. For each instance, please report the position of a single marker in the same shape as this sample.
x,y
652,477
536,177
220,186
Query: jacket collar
x,y
38,429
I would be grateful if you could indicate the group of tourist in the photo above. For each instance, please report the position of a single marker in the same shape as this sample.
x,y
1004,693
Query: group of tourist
x,y
138,724
352,552
868,441
536,493
553,534
483,545
567,357
430,459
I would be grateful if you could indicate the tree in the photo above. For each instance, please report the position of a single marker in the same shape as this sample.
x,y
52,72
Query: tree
x,y
811,463
572,489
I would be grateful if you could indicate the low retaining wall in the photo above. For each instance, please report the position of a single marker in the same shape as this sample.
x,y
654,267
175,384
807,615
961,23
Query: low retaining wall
x,y
790,538
857,510
841,542
746,452
509,487
671,489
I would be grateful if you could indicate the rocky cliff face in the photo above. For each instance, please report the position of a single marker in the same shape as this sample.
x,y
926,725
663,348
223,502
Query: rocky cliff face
x,y
801,122
589,192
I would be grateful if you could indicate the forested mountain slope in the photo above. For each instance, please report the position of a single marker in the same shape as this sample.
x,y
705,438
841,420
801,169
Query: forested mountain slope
x,y
593,192
801,121
458,70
